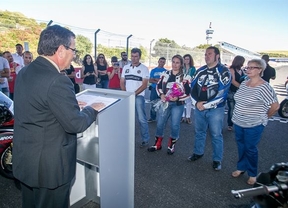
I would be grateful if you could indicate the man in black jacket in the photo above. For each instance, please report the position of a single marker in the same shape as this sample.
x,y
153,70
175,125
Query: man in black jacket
x,y
47,119
269,72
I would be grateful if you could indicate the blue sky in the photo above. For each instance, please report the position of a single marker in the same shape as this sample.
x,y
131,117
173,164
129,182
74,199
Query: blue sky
x,y
256,25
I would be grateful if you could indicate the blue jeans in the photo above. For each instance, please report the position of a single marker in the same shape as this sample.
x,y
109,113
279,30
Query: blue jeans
x,y
231,105
141,114
103,84
173,111
5,90
153,97
212,118
247,140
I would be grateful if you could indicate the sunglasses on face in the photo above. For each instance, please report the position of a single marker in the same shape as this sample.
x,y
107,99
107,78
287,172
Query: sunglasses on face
x,y
102,57
115,64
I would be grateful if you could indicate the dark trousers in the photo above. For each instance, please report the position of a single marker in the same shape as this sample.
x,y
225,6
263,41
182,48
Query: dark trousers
x,y
44,197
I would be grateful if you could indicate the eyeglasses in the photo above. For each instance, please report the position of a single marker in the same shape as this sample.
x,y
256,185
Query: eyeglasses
x,y
101,57
124,55
72,49
252,67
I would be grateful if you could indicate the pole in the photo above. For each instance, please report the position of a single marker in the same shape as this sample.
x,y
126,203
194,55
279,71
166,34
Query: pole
x,y
95,44
49,23
150,52
127,44
167,53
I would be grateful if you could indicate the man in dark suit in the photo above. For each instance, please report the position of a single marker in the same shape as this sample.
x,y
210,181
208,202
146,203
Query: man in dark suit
x,y
47,118
269,72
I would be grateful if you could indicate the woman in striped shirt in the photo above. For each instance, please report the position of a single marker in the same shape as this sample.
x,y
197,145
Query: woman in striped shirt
x,y
256,101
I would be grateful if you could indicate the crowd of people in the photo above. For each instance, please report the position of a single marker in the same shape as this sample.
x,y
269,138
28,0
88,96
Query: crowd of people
x,y
207,90
53,121
10,65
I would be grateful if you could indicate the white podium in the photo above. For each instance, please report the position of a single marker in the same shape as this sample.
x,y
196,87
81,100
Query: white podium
x,y
105,154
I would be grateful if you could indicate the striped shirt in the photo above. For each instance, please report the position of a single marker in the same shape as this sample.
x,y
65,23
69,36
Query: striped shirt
x,y
252,104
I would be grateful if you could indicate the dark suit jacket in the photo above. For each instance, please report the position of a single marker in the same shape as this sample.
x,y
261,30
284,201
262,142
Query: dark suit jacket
x,y
47,118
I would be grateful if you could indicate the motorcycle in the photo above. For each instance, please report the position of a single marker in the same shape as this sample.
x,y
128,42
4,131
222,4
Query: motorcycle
x,y
283,109
6,135
270,189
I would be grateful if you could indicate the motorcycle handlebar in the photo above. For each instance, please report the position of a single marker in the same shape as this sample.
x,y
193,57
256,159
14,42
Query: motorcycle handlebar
x,y
261,190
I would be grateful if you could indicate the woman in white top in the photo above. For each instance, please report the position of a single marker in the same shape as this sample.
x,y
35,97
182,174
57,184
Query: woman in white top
x,y
255,102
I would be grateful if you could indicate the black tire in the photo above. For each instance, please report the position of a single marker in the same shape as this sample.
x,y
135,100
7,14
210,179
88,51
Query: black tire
x,y
283,110
6,162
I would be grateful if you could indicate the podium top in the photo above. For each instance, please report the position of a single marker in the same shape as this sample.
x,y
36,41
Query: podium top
x,y
106,96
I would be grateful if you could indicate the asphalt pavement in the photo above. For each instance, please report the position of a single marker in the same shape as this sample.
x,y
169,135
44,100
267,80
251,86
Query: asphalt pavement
x,y
163,180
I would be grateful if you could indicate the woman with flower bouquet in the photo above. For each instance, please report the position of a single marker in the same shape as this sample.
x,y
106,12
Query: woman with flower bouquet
x,y
173,89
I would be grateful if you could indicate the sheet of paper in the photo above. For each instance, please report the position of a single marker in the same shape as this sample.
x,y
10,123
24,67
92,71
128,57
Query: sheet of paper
x,y
89,99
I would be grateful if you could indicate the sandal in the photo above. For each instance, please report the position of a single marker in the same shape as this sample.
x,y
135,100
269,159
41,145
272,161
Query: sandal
x,y
237,173
251,180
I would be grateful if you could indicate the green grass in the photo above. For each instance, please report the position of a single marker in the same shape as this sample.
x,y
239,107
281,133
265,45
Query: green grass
x,y
285,53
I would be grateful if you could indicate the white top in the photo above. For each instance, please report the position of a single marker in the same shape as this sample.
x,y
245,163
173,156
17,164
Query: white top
x,y
4,64
134,76
18,59
252,105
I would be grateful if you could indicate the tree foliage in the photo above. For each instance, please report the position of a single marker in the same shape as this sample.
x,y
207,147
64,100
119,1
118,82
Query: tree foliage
x,y
166,48
203,46
109,52
16,28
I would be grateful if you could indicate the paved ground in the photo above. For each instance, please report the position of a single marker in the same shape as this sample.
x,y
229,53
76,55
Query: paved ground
x,y
163,180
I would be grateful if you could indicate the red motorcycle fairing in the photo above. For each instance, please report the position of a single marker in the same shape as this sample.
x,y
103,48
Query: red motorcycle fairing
x,y
5,140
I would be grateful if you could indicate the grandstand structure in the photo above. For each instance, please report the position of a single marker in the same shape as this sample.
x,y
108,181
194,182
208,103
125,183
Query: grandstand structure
x,y
230,51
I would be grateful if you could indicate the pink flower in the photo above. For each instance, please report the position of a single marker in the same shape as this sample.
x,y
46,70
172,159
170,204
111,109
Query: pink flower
x,y
175,91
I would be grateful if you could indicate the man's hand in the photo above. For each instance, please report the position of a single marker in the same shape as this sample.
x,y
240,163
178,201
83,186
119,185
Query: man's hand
x,y
199,105
81,104
98,106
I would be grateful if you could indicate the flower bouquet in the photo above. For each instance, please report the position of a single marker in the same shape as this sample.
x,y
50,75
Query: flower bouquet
x,y
175,91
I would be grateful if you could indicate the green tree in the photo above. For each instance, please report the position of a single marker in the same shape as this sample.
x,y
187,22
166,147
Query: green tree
x,y
109,52
203,46
16,28
165,47
83,45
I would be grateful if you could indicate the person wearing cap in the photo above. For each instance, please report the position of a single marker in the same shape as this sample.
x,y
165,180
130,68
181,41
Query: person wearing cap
x,y
269,72
18,56
114,74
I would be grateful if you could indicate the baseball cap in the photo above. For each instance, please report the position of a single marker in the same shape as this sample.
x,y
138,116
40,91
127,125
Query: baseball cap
x,y
114,59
